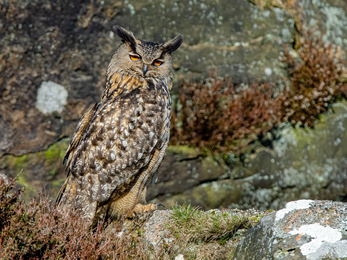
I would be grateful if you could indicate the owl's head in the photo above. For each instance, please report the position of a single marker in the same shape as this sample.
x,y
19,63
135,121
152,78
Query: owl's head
x,y
142,59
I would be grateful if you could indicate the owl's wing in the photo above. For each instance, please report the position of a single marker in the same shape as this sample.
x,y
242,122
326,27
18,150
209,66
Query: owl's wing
x,y
117,145
82,126
80,130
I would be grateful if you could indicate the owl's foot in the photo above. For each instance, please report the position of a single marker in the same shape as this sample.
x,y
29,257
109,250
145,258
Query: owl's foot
x,y
141,210
136,217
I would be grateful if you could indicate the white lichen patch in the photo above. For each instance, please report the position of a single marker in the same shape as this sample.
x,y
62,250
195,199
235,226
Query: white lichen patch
x,y
268,71
319,234
51,97
335,19
293,205
330,251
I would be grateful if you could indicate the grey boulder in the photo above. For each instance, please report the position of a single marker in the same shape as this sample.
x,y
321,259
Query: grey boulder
x,y
304,229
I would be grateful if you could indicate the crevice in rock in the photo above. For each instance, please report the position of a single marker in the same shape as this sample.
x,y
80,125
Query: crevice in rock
x,y
190,158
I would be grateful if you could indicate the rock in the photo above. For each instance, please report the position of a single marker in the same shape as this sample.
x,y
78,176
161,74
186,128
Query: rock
x,y
39,172
328,18
182,169
157,232
71,45
303,164
41,42
235,37
305,229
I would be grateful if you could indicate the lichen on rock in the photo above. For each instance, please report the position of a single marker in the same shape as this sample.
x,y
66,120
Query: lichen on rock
x,y
315,231
51,97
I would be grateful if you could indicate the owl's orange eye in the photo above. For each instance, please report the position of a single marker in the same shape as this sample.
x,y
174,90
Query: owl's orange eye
x,y
134,57
157,62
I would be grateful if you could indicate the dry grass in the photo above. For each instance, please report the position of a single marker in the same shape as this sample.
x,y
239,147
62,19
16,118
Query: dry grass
x,y
212,234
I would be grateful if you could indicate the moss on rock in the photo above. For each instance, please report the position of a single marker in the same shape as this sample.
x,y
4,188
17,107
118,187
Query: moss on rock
x,y
38,171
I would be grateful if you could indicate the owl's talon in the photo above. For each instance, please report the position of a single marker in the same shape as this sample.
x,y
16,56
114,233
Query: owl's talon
x,y
159,205
135,213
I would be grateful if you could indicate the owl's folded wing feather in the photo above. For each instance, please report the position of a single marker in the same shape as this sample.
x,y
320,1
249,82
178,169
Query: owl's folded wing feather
x,y
80,130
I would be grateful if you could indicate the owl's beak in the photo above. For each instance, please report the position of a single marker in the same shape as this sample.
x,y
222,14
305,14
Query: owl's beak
x,y
144,69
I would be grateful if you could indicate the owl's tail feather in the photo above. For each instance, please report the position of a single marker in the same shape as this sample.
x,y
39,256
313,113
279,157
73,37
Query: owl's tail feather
x,y
72,197
60,194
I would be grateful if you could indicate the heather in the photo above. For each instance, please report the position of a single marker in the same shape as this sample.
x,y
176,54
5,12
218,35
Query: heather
x,y
37,231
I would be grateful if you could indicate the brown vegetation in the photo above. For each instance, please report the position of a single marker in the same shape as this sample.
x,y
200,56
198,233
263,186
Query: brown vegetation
x,y
213,114
314,80
38,231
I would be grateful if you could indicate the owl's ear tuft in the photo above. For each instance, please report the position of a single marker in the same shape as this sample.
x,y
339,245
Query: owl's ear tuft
x,y
172,45
126,36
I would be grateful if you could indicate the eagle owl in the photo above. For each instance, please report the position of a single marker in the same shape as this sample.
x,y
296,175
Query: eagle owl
x,y
120,141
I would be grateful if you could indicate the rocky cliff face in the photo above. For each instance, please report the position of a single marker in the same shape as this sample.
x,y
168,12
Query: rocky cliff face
x,y
53,59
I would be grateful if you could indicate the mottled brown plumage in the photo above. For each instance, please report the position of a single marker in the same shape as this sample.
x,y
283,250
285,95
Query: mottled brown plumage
x,y
120,142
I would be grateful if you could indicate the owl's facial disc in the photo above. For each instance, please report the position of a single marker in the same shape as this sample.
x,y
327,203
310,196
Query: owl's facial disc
x,y
133,56
143,59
